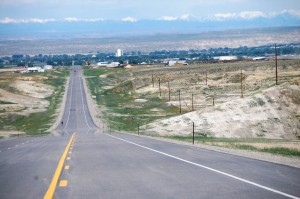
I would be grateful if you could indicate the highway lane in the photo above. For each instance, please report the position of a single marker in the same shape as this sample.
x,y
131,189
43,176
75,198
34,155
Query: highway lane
x,y
107,166
103,165
26,169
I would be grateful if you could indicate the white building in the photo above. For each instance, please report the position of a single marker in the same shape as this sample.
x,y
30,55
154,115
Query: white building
x,y
259,58
35,69
113,65
102,64
227,58
48,67
119,53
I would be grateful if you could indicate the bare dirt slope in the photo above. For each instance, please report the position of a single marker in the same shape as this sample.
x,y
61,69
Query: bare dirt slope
x,y
273,113
22,96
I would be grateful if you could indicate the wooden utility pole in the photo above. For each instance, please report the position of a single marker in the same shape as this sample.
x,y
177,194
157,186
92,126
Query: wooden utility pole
x,y
159,86
152,81
169,91
179,102
275,51
242,94
206,77
213,100
192,101
193,133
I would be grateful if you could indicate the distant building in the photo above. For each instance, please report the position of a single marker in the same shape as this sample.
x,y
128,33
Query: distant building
x,y
35,70
113,65
48,67
175,61
227,58
119,53
102,64
259,58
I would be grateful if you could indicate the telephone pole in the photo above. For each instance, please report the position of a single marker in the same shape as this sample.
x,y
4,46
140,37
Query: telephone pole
x,y
242,94
275,51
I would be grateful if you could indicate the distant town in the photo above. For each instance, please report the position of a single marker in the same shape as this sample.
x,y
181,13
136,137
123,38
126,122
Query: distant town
x,y
121,57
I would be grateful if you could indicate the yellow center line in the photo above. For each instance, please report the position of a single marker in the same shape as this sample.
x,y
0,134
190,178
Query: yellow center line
x,y
63,183
49,194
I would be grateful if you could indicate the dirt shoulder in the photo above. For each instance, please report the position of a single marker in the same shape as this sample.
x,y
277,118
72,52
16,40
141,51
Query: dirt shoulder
x,y
278,159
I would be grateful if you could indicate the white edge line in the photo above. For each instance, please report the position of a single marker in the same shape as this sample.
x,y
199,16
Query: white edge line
x,y
208,168
83,103
69,106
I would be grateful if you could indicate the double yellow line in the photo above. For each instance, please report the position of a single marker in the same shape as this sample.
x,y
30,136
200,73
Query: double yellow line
x,y
49,194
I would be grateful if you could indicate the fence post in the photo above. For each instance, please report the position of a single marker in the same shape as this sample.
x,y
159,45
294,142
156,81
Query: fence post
x,y
193,133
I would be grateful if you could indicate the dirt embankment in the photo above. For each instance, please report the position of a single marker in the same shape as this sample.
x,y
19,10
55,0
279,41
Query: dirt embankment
x,y
27,97
274,113
22,96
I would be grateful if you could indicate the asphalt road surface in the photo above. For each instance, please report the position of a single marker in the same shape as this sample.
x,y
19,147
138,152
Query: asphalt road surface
x,y
88,162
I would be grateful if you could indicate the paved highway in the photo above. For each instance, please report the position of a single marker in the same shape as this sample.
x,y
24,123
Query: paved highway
x,y
96,164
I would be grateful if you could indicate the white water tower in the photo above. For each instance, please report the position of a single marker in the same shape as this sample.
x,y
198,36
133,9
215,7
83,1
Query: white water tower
x,y
119,53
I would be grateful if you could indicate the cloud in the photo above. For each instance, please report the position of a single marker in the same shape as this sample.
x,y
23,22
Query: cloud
x,y
295,13
251,14
168,18
74,19
8,20
247,15
129,19
184,17
71,19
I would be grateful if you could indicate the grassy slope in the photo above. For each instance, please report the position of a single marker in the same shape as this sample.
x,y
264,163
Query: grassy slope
x,y
37,123
122,112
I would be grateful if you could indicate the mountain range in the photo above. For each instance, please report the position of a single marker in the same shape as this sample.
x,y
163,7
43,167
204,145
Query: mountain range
x,y
75,28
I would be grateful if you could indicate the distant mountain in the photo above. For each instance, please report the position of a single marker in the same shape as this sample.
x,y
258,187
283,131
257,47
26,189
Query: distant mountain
x,y
234,38
60,29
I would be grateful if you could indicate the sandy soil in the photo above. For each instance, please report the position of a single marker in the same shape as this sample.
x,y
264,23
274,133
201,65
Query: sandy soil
x,y
33,89
267,115
31,104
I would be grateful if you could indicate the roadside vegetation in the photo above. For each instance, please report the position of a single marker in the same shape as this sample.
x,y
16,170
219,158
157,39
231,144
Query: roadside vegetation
x,y
137,100
32,118
123,109
274,146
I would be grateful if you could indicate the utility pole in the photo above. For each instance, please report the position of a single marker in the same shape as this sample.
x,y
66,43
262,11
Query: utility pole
x,y
159,87
179,102
242,94
192,101
193,133
152,81
275,51
169,91
206,77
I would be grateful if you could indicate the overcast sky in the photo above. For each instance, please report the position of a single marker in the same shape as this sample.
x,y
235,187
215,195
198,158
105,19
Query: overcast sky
x,y
132,10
